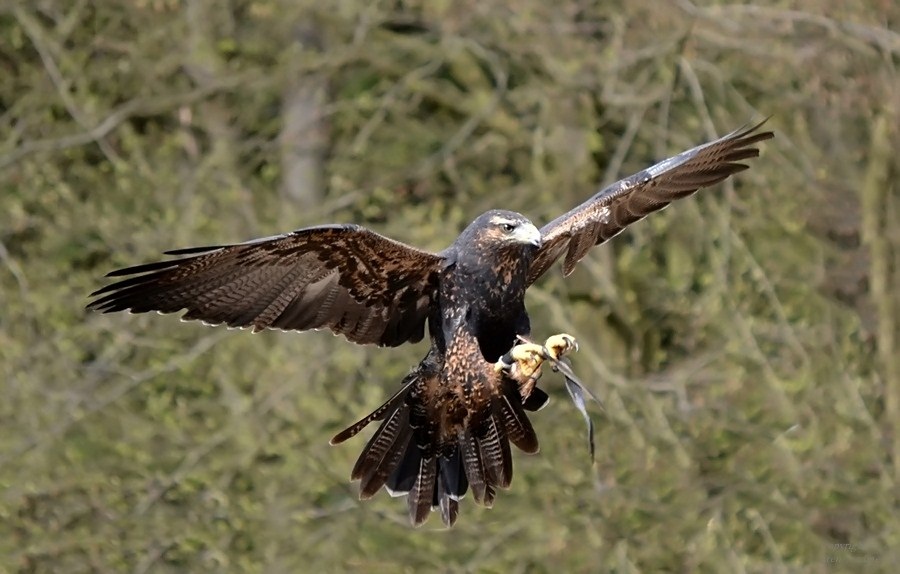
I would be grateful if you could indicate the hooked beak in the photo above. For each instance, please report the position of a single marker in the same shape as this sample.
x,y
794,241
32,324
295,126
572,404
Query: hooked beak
x,y
527,233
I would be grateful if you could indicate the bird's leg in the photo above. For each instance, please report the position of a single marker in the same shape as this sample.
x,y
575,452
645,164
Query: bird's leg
x,y
523,362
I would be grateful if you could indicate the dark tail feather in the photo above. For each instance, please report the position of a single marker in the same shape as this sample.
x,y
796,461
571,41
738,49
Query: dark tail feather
x,y
384,450
451,486
404,474
495,453
453,475
422,494
375,415
537,400
474,467
449,506
430,482
516,424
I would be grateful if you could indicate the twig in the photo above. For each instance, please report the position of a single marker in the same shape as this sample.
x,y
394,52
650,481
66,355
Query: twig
x,y
119,115
36,35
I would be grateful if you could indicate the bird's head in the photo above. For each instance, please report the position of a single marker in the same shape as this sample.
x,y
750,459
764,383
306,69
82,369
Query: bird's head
x,y
497,229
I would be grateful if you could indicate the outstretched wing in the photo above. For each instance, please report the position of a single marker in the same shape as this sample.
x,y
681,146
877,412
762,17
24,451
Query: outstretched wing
x,y
347,278
611,210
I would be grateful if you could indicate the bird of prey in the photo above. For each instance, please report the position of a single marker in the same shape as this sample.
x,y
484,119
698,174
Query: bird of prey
x,y
450,425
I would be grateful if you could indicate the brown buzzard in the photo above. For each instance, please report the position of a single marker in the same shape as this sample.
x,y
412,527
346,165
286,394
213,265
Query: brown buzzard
x,y
450,425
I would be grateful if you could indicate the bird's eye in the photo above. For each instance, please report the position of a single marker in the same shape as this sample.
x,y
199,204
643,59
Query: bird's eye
x,y
507,227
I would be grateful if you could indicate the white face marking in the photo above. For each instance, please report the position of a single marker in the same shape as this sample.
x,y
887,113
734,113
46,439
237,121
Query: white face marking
x,y
500,220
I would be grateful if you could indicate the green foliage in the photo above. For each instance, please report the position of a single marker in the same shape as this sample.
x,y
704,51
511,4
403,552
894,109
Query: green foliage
x,y
751,412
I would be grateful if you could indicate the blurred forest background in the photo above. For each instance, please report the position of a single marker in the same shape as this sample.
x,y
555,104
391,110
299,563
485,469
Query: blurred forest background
x,y
746,341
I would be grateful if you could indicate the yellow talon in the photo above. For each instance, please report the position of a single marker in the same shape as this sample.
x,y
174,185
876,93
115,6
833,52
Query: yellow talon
x,y
523,362
523,365
524,357
529,357
560,345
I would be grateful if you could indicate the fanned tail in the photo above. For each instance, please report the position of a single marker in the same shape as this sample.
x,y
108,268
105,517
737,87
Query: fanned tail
x,y
430,472
412,454
403,454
